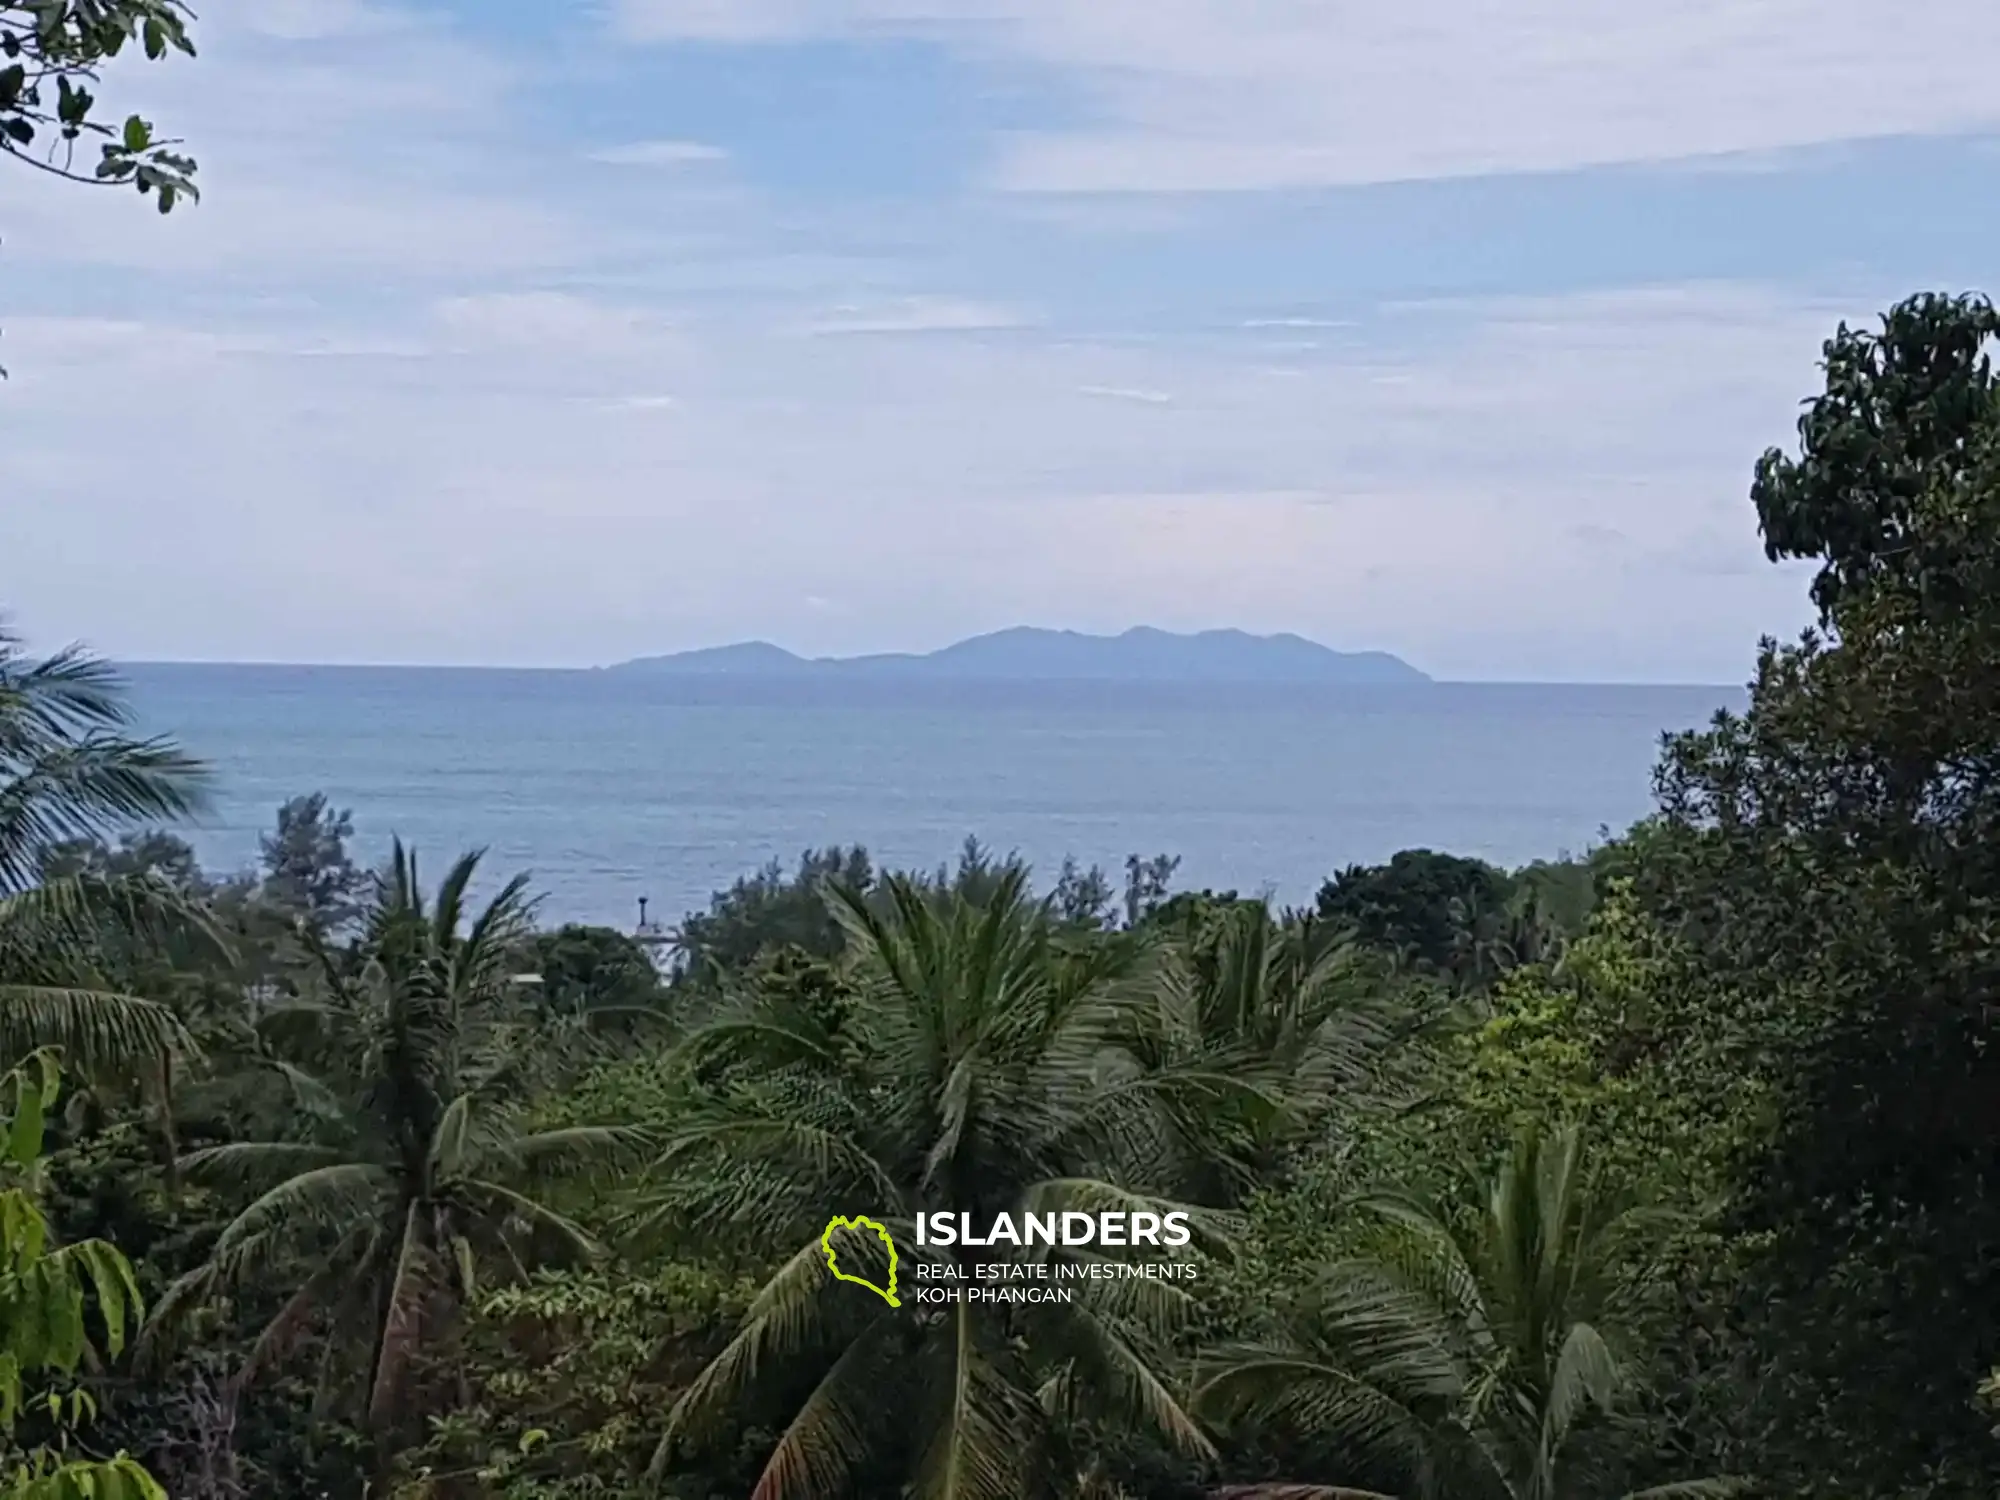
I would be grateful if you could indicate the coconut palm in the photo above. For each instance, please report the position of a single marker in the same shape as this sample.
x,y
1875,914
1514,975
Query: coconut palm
x,y
981,1065
1291,1010
70,769
410,1167
1472,1356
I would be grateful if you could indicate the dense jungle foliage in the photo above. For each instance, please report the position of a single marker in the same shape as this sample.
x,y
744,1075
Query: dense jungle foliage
x,y
1668,1170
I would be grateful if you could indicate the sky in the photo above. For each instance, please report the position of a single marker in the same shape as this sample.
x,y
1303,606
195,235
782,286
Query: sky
x,y
555,334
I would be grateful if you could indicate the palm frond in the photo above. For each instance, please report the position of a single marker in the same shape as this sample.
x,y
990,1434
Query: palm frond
x,y
1586,1374
309,1094
1431,1256
182,1297
975,1423
787,1319
450,1148
241,1163
96,1031
409,1285
59,924
1391,1321
485,954
317,1200
86,785
766,1035
279,1336
745,1138
1297,1492
536,1218
576,1150
1133,1385
68,691
828,1436
1329,1406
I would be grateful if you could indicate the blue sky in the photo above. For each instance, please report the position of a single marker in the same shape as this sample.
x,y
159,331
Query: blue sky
x,y
543,334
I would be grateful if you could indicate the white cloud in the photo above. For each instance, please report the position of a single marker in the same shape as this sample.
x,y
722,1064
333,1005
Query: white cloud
x,y
659,154
315,20
545,320
1249,94
522,449
725,20
642,403
918,315
1127,393
351,335
337,225
285,111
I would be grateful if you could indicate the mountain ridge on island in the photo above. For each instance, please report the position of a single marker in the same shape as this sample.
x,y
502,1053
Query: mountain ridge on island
x,y
1028,653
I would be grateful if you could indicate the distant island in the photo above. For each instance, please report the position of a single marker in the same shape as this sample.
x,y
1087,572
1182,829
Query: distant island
x,y
1027,654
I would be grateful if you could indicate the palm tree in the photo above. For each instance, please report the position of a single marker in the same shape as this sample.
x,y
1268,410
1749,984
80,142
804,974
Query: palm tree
x,y
1293,1012
982,1065
1467,1358
408,1170
70,769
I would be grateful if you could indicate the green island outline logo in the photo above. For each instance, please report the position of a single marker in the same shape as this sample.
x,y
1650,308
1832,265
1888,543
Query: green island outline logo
x,y
859,1222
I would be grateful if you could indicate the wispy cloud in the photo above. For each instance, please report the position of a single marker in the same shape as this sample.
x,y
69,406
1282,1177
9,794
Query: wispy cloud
x,y
1205,95
546,320
941,407
316,20
659,154
284,109
641,403
949,484
919,315
1128,393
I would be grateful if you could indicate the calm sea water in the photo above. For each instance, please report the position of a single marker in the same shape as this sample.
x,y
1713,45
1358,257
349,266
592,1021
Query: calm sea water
x,y
608,788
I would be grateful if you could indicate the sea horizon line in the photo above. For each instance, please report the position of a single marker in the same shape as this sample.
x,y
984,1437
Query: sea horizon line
x,y
606,668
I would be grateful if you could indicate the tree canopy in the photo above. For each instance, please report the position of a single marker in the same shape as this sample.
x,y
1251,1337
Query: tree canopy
x,y
52,53
1605,1177
1831,857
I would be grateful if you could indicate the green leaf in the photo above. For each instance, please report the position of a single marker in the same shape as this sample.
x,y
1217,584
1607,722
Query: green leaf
x,y
19,129
138,134
24,1140
72,103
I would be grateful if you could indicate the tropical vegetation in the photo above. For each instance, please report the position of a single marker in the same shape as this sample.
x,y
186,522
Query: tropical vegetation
x,y
1665,1170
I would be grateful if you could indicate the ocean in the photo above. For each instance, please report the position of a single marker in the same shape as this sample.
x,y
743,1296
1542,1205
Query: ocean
x,y
608,787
